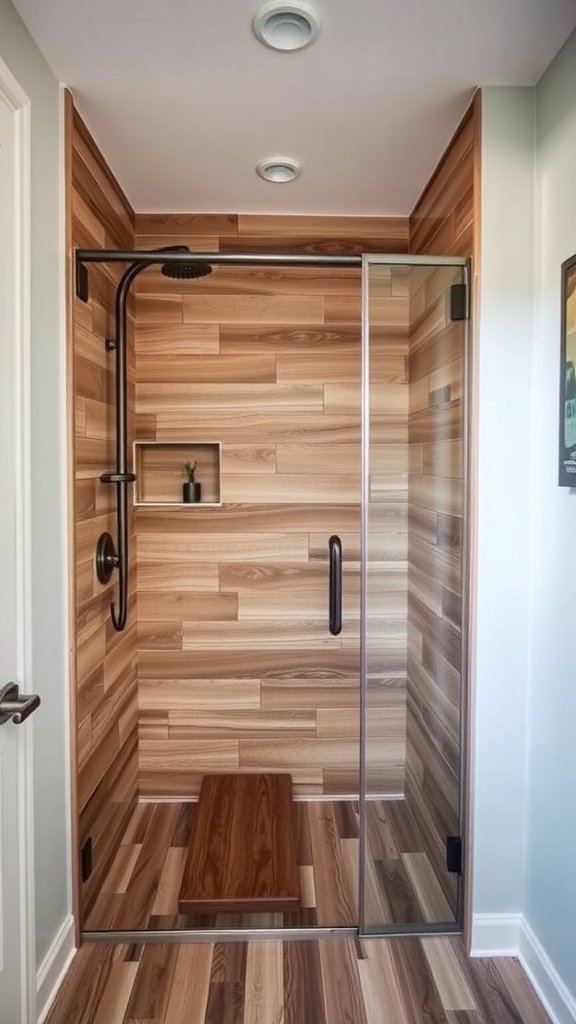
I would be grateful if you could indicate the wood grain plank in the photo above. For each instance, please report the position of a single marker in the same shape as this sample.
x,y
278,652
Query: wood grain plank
x,y
176,340
172,402
194,607
175,225
431,898
230,547
380,228
380,985
189,989
227,984
303,988
219,724
264,1000
205,369
141,890
341,984
453,988
151,991
120,873
335,894
166,899
268,309
84,986
117,994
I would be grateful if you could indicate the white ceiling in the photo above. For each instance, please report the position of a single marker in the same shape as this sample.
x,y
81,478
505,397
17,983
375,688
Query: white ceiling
x,y
184,102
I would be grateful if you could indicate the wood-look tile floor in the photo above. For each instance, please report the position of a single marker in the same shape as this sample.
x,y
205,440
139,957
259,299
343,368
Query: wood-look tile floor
x,y
343,981
142,886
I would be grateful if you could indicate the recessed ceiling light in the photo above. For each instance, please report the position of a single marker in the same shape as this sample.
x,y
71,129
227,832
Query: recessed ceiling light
x,y
286,26
279,169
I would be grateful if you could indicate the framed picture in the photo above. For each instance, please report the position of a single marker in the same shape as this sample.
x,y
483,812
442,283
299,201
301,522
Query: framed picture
x,y
567,474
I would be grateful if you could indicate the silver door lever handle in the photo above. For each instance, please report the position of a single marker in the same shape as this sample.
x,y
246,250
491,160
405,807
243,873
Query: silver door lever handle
x,y
15,705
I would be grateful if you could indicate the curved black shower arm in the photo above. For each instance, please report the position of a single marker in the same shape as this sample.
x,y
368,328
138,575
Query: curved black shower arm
x,y
121,477
108,557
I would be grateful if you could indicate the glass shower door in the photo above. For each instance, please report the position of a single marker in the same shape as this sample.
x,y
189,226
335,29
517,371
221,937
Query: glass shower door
x,y
413,615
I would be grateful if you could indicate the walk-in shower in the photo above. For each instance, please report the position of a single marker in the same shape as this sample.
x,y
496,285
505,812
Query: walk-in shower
x,y
380,848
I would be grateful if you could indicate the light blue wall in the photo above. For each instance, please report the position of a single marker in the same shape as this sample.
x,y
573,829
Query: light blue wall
x,y
550,904
49,662
524,767
503,386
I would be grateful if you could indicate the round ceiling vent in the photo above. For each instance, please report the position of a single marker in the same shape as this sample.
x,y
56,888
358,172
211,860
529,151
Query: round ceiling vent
x,y
286,26
279,169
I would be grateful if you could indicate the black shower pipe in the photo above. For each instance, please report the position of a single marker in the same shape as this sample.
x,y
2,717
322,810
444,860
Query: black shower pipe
x,y
107,558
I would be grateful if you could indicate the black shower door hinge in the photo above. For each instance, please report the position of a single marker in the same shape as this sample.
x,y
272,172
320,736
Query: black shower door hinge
x,y
454,854
82,289
459,307
86,859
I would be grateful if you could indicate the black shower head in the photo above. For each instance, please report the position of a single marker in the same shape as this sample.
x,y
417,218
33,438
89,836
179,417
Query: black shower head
x,y
183,271
186,271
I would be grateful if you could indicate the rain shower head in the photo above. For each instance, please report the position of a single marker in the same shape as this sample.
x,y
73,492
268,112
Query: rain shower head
x,y
184,271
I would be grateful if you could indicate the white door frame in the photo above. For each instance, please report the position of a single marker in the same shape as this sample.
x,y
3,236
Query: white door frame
x,y
17,99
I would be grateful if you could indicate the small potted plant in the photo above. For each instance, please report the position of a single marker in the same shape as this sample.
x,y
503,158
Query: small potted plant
x,y
191,490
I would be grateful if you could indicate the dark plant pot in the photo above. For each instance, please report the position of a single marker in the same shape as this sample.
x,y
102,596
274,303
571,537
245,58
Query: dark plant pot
x,y
191,493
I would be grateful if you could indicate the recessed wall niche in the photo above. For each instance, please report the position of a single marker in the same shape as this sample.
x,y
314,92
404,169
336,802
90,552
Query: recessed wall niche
x,y
159,472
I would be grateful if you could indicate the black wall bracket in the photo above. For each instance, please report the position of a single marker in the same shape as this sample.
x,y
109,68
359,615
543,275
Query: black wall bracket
x,y
86,859
82,288
459,306
454,854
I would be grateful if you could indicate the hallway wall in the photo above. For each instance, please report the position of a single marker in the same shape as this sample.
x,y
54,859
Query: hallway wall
x,y
504,383
237,668
49,726
105,693
550,879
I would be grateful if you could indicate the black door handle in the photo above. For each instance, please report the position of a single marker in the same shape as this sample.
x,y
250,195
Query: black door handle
x,y
335,548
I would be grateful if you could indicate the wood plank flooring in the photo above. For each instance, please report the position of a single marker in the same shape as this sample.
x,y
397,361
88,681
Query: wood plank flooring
x,y
375,981
242,854
142,887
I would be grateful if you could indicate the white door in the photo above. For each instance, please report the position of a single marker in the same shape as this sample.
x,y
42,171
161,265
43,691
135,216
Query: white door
x,y
16,997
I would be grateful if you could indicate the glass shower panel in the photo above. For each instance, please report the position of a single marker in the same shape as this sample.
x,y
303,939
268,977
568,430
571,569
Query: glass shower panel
x,y
414,382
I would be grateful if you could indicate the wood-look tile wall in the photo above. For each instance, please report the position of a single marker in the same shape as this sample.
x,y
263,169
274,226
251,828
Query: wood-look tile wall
x,y
105,683
435,533
444,222
237,667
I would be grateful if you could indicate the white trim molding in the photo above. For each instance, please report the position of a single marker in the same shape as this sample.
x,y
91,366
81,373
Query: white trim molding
x,y
551,989
511,935
496,934
18,101
53,968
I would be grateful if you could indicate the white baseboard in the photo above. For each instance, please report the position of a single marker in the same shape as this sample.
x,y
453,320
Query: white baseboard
x,y
511,935
553,993
53,968
496,934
